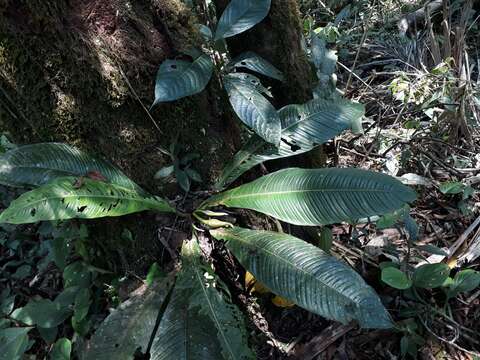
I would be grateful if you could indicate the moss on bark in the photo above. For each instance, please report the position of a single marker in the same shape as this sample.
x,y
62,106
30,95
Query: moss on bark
x,y
83,72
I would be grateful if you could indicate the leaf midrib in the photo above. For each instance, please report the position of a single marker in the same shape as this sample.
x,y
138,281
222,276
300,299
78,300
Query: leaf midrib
x,y
56,198
215,319
270,193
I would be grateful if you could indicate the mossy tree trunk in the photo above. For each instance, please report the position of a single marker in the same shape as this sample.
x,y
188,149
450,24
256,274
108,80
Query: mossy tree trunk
x,y
83,72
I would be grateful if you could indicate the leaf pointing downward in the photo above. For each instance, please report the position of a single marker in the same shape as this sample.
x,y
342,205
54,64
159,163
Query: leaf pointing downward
x,y
212,299
306,275
254,62
253,109
199,323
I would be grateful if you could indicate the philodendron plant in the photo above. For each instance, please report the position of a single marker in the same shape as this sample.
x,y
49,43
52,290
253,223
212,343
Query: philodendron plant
x,y
197,301
190,315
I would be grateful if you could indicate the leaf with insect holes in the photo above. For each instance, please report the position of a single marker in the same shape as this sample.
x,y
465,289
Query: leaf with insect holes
x,y
253,109
254,62
179,78
303,128
241,15
61,200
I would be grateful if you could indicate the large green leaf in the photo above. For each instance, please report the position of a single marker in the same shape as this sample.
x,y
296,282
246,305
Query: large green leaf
x,y
184,333
253,109
318,196
38,164
241,15
306,275
65,198
211,298
303,128
129,327
254,62
180,78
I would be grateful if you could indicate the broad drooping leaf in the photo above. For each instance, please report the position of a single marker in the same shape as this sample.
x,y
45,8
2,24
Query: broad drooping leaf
x,y
303,128
13,342
210,297
241,15
129,327
180,78
184,333
253,109
254,62
65,199
38,164
318,196
306,275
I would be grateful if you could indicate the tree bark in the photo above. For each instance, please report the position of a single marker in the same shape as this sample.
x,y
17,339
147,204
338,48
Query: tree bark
x,y
83,72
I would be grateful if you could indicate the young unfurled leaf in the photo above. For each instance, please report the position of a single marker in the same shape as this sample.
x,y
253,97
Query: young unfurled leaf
x,y
254,62
180,78
253,109
241,15
318,196
430,275
60,200
306,275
